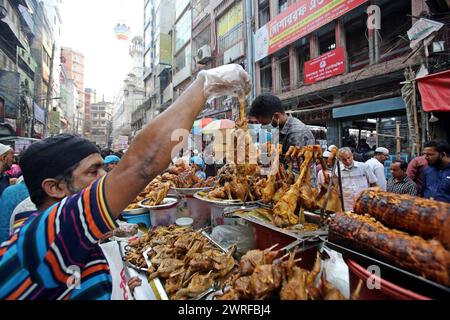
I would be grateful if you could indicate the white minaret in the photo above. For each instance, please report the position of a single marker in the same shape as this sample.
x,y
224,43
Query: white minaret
x,y
137,54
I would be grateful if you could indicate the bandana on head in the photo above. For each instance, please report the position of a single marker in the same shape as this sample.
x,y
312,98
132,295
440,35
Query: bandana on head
x,y
49,158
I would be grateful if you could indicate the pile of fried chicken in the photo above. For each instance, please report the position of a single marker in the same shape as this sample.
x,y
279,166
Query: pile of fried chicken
x,y
155,192
181,175
263,276
289,196
187,262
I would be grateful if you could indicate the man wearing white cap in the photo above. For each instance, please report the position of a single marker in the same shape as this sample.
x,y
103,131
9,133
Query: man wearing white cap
x,y
6,160
376,164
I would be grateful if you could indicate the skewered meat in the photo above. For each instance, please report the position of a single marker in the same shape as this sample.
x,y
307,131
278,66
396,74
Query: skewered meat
x,y
424,257
269,191
423,217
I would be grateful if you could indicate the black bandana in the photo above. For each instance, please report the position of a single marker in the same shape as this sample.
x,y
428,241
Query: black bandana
x,y
49,158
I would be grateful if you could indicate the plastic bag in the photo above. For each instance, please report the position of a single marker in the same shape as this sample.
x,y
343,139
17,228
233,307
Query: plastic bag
x,y
336,271
227,236
230,79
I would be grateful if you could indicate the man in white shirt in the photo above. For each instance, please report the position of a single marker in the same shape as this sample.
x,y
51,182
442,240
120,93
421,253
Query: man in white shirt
x,y
376,164
356,177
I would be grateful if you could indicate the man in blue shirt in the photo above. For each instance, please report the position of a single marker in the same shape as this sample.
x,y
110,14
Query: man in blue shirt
x,y
437,175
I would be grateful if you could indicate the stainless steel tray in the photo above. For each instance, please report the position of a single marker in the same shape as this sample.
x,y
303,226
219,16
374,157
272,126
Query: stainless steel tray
x,y
225,203
157,285
297,234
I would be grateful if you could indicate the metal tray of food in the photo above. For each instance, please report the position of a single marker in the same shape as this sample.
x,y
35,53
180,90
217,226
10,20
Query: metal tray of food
x,y
224,203
245,213
394,274
166,203
155,284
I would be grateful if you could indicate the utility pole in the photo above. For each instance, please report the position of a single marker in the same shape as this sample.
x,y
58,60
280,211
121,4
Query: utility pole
x,y
49,89
249,19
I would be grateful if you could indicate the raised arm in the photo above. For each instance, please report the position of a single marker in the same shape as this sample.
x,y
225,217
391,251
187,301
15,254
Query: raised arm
x,y
150,152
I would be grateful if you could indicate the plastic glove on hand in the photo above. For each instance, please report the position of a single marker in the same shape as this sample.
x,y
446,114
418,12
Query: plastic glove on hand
x,y
230,79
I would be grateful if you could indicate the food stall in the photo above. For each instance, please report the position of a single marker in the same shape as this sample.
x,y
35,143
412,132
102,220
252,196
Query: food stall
x,y
304,246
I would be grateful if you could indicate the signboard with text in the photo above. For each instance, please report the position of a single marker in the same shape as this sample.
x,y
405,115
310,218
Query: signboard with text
x,y
326,66
297,21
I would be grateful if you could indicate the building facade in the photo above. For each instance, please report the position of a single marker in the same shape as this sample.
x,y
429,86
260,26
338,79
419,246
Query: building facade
x,y
28,64
130,97
72,73
341,70
102,123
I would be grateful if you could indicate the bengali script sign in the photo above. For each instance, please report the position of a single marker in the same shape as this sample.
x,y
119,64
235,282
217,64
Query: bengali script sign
x,y
297,21
326,66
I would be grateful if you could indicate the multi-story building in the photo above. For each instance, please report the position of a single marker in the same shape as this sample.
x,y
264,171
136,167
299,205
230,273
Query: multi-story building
x,y
90,97
131,96
219,36
101,123
26,57
158,23
73,70
333,67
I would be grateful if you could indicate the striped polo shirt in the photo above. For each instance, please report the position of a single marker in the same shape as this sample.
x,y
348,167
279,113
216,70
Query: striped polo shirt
x,y
405,186
44,256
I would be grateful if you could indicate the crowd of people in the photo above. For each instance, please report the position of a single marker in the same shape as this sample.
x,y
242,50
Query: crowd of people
x,y
71,194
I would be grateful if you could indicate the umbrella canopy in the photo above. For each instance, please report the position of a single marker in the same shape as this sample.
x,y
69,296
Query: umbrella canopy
x,y
202,122
218,125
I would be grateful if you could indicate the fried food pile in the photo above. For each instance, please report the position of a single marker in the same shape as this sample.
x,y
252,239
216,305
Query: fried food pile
x,y
156,191
232,186
187,262
300,196
263,276
181,175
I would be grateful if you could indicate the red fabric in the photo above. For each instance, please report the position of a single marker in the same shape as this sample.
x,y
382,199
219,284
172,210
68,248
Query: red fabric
x,y
435,92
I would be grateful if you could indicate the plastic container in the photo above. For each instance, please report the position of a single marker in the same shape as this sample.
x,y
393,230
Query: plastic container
x,y
166,215
199,211
388,290
217,216
185,222
142,219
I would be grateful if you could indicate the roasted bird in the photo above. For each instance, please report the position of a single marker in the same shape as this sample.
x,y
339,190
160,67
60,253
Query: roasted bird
x,y
417,216
427,258
280,278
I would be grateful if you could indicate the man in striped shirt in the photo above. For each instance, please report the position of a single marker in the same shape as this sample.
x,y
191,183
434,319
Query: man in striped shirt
x,y
400,183
55,253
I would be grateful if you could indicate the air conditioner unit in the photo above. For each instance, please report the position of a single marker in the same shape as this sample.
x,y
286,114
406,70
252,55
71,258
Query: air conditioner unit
x,y
204,54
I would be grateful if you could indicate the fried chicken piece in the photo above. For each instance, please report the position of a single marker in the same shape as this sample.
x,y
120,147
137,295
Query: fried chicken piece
x,y
265,280
254,258
198,284
295,288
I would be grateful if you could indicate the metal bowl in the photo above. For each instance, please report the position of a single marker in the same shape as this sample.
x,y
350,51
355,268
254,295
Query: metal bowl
x,y
190,191
135,211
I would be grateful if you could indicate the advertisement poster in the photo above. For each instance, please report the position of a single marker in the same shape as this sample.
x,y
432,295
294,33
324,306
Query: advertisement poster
x,y
297,21
326,66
